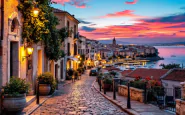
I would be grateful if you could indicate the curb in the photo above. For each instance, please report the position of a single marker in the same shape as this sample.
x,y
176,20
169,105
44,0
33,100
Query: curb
x,y
115,102
37,106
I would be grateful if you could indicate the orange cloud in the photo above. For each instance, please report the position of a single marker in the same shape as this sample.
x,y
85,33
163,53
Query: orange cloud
x,y
124,13
133,2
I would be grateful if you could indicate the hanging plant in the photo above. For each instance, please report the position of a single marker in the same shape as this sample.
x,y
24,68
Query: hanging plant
x,y
63,32
43,28
33,28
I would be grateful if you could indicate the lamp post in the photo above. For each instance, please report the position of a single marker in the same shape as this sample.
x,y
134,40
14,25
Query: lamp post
x,y
38,93
114,89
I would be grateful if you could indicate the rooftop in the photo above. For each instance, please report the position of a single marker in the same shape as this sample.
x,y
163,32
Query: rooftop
x,y
126,72
62,11
176,75
112,68
144,72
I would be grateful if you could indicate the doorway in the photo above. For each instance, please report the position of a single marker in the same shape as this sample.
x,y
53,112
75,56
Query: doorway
x,y
39,62
61,69
14,59
56,71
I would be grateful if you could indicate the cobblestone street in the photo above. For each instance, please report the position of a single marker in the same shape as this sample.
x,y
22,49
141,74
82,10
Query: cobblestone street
x,y
78,99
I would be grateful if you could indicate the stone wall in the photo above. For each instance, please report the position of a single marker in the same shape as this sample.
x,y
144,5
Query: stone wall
x,y
135,94
180,105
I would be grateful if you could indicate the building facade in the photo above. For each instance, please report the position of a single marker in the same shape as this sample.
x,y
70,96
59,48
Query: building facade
x,y
70,44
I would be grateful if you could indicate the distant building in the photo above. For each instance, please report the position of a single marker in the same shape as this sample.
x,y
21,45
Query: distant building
x,y
114,42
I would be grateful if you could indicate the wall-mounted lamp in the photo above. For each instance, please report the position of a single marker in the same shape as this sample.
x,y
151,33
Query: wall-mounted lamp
x,y
35,11
29,52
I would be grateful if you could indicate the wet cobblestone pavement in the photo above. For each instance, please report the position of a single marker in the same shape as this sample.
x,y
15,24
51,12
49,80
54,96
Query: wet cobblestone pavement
x,y
78,98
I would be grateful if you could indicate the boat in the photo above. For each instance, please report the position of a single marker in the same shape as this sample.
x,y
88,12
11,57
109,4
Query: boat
x,y
130,67
173,56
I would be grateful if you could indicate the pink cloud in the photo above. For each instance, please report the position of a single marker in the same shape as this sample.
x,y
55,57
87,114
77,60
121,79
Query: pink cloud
x,y
61,1
76,3
167,27
124,13
140,30
133,2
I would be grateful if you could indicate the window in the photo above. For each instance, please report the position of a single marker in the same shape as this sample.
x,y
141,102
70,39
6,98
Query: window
x,y
68,25
14,25
75,49
74,30
68,49
68,28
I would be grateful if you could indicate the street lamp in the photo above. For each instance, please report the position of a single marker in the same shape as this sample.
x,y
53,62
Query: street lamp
x,y
29,52
35,11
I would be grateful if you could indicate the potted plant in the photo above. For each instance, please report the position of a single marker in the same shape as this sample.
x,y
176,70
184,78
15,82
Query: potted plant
x,y
69,74
76,75
113,73
107,83
15,94
46,81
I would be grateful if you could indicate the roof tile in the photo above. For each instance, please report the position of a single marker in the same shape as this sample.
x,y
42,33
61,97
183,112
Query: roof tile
x,y
143,72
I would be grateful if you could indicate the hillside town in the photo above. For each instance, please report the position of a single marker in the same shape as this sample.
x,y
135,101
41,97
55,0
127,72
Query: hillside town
x,y
37,72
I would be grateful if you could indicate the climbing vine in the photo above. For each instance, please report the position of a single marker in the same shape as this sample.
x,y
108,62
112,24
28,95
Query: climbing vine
x,y
43,28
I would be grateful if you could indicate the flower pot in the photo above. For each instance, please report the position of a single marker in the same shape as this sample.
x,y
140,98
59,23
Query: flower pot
x,y
14,103
107,86
44,89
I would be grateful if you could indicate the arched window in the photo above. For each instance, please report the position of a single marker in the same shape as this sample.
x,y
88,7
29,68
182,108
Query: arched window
x,y
14,25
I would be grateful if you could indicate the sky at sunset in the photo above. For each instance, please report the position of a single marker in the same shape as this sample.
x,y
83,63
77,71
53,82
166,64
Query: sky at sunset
x,y
129,20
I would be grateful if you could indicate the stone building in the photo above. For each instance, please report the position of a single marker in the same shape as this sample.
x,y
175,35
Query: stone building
x,y
82,45
70,44
14,58
11,47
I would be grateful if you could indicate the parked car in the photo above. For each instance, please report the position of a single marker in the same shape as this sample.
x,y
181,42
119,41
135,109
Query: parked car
x,y
93,72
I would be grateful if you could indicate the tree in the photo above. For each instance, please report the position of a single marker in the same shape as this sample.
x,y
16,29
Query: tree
x,y
170,66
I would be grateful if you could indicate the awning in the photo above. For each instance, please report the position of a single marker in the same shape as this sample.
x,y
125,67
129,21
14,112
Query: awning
x,y
73,58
